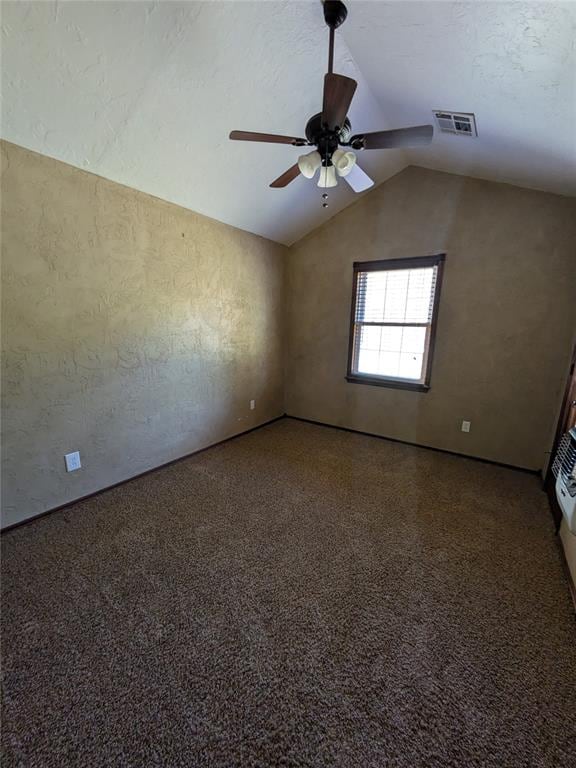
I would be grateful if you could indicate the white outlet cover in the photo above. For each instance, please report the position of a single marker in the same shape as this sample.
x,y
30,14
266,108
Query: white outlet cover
x,y
72,461
466,426
252,404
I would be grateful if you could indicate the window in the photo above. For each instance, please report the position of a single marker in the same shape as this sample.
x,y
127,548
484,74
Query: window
x,y
393,322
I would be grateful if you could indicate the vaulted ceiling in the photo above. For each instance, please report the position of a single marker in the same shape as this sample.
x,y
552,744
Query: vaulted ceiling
x,y
145,94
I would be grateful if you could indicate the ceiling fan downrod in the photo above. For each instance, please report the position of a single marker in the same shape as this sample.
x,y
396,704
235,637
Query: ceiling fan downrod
x,y
335,13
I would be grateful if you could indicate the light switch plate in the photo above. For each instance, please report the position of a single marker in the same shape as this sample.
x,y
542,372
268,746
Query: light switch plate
x,y
72,461
466,426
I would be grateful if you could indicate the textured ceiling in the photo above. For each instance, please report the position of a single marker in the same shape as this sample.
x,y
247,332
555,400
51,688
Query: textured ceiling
x,y
511,63
146,94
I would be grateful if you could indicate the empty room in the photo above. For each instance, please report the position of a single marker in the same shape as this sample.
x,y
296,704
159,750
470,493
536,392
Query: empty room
x,y
288,424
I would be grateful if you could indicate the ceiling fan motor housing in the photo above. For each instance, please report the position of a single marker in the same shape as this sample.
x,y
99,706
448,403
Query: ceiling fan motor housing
x,y
326,141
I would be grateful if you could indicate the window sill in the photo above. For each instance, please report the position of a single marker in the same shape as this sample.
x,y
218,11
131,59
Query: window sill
x,y
414,386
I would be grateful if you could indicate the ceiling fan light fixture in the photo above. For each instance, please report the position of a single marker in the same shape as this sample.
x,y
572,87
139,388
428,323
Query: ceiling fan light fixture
x,y
327,177
343,161
309,164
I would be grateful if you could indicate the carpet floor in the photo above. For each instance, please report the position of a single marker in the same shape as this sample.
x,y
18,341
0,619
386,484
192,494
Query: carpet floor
x,y
298,596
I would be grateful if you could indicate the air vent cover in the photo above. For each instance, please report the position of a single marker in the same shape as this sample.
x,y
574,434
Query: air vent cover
x,y
463,123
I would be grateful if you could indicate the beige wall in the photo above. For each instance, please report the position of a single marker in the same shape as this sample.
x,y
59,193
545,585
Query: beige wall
x,y
507,314
133,331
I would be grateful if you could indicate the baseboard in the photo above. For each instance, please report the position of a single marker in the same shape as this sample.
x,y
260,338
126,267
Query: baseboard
x,y
417,445
34,518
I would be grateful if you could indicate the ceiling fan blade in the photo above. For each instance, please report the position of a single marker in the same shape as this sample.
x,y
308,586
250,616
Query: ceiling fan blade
x,y
287,177
338,93
358,179
270,138
397,139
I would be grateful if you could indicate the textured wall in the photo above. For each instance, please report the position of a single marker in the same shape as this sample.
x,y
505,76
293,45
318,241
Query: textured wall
x,y
507,314
136,331
133,331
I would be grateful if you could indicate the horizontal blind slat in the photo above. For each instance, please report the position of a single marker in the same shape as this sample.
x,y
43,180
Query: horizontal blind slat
x,y
402,296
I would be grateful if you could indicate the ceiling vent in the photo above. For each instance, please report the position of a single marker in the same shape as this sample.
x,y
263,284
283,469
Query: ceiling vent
x,y
463,123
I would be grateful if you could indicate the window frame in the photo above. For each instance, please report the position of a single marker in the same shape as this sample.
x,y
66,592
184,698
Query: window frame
x,y
381,265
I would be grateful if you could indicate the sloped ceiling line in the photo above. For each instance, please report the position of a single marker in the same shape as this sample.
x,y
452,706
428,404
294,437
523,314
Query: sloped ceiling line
x,y
145,94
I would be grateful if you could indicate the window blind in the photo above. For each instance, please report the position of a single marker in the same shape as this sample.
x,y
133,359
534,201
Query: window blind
x,y
396,296
393,317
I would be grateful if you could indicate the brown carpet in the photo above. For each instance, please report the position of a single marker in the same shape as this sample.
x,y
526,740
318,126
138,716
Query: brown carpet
x,y
299,596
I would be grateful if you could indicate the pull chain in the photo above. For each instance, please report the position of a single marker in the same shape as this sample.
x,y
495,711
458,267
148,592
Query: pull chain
x,y
325,194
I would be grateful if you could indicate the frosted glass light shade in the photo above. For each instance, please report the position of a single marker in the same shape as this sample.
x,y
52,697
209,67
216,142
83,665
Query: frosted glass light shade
x,y
309,164
343,161
327,177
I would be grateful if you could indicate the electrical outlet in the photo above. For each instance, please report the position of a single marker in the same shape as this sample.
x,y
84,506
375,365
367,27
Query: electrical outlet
x,y
252,404
466,426
72,461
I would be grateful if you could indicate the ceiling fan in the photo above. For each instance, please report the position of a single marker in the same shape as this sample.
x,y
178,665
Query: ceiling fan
x,y
330,130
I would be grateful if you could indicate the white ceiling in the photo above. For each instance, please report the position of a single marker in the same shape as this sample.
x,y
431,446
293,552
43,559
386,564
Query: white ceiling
x,y
511,63
145,94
